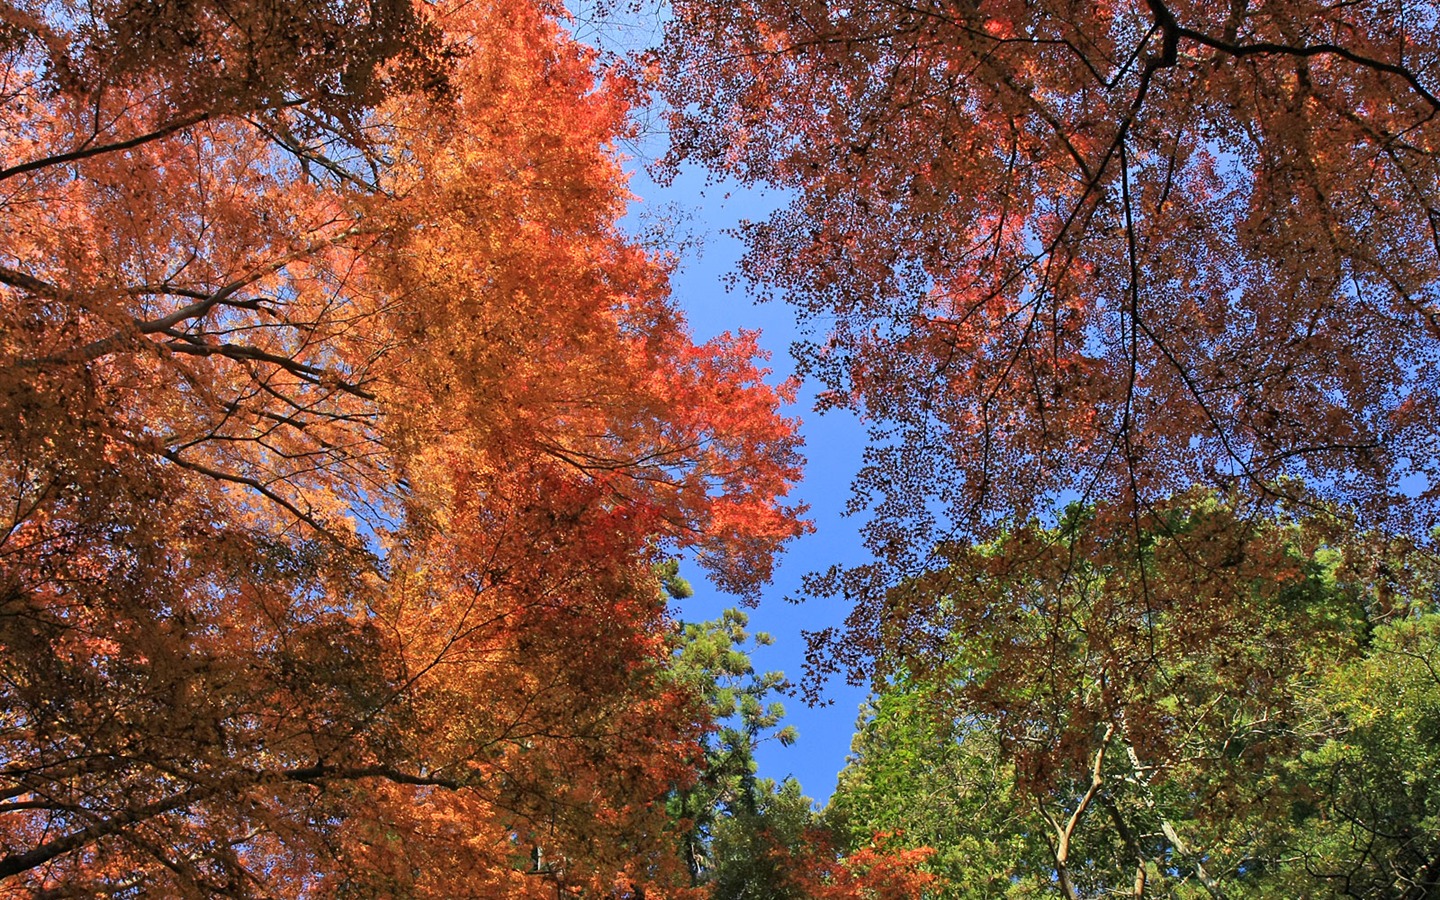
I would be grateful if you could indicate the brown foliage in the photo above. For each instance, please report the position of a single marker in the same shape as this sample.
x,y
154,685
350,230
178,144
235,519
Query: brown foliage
x,y
339,432
1105,250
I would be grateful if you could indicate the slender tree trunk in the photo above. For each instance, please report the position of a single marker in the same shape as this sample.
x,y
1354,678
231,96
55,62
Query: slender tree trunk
x,y
1211,884
1066,833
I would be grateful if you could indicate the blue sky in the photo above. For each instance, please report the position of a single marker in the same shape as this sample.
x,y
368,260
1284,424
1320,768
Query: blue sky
x,y
834,443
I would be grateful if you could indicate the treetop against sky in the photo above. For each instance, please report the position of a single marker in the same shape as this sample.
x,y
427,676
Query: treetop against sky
x,y
343,427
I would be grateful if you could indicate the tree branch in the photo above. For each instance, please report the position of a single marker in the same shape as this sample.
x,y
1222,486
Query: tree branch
x,y
98,149
17,863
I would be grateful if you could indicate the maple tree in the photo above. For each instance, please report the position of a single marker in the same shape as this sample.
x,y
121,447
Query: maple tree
x,y
1110,252
340,431
1107,250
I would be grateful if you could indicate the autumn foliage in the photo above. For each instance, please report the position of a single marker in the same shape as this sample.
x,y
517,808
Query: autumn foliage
x,y
1093,251
344,437
1139,303
877,872
339,433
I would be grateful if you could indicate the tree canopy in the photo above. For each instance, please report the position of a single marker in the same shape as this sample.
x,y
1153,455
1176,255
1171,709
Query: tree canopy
x,y
1105,251
348,444
340,430
1254,725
